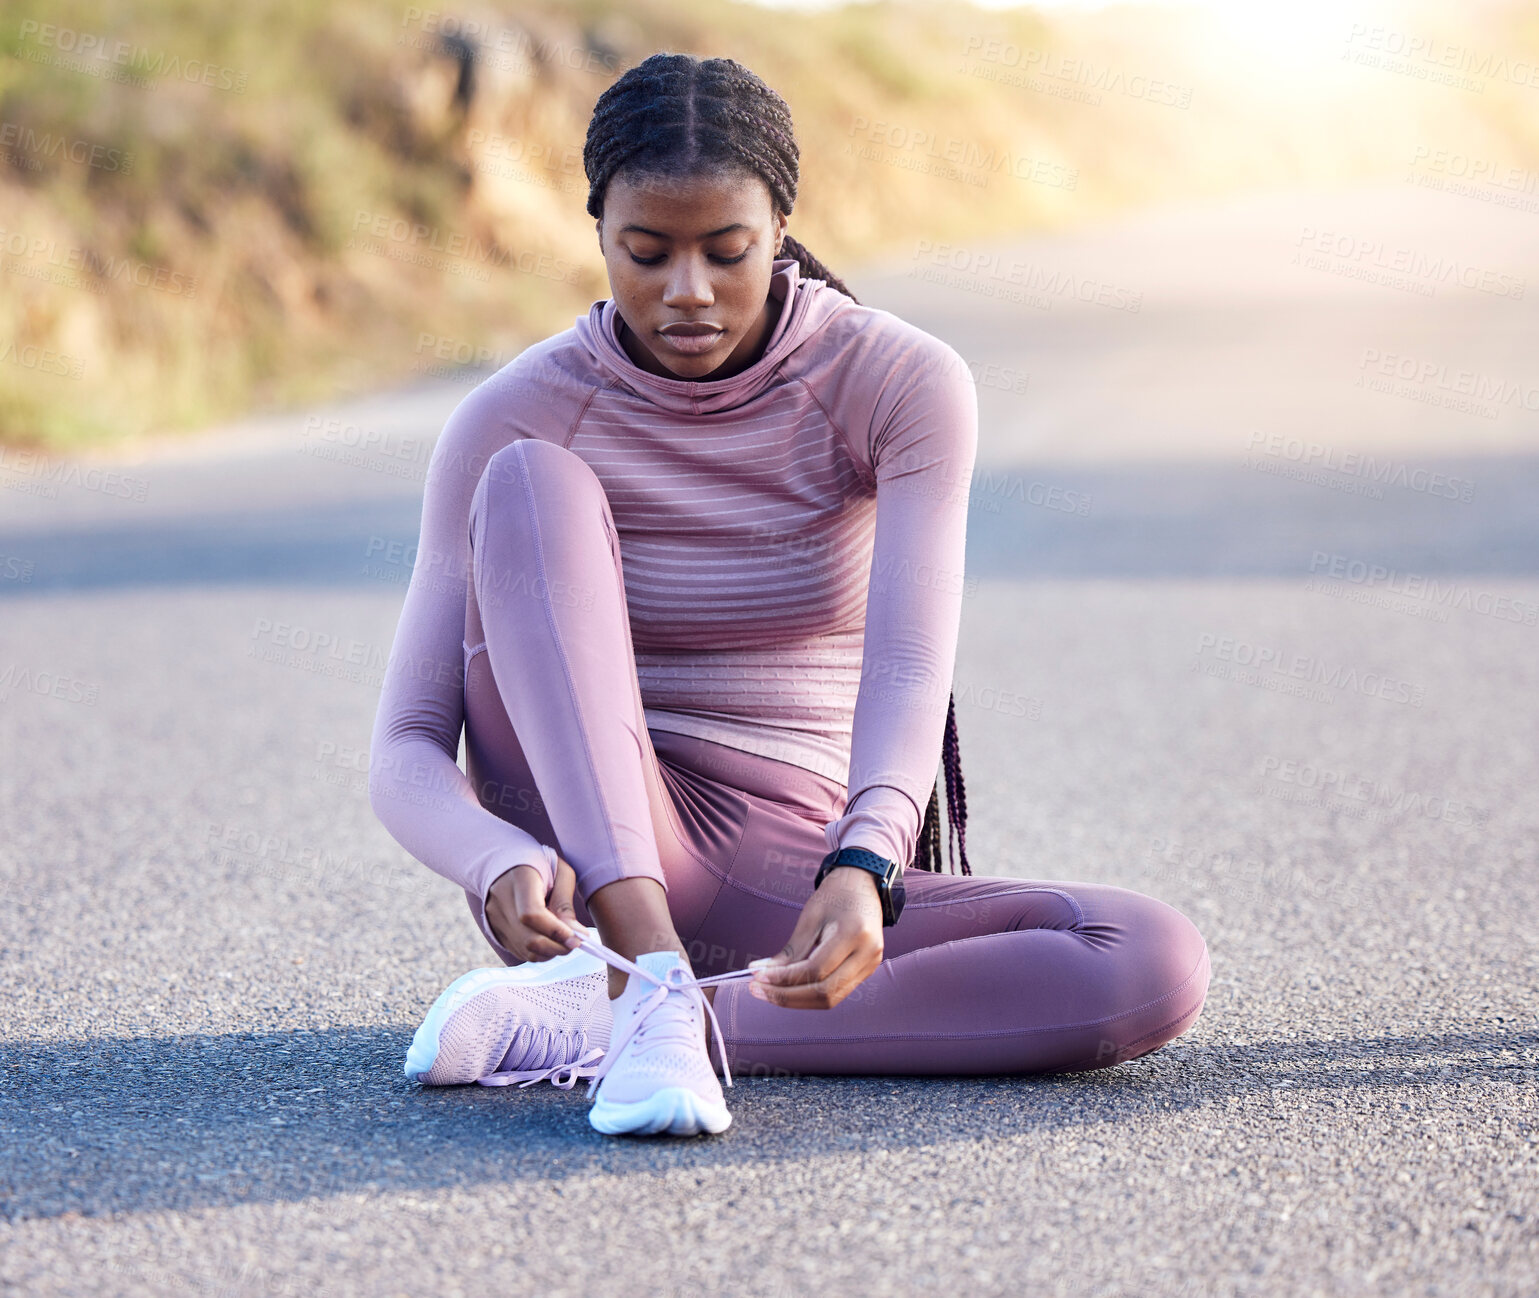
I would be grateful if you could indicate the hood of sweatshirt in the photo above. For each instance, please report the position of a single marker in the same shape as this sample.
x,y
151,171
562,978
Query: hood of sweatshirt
x,y
808,305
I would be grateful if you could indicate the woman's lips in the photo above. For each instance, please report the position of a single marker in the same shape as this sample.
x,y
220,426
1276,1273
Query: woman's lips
x,y
691,340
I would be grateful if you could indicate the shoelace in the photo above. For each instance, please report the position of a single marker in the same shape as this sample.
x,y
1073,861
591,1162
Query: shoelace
x,y
675,980
563,1076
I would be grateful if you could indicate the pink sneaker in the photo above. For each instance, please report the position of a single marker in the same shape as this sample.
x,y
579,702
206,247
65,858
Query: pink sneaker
x,y
656,1076
543,1020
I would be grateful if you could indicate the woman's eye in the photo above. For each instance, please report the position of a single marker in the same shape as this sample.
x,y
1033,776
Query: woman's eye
x,y
721,261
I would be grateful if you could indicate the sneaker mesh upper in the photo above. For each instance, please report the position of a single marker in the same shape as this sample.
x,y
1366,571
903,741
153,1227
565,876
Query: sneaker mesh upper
x,y
512,1027
668,1047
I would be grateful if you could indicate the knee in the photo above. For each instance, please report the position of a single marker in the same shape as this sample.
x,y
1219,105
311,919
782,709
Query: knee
x,y
530,462
1178,950
1164,984
1175,948
530,478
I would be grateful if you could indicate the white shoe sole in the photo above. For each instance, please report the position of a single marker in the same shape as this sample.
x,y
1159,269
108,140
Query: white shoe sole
x,y
676,1110
423,1053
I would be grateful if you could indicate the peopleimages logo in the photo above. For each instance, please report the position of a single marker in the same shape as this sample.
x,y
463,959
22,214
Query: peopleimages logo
x,y
1373,260
1307,460
103,56
1431,58
46,476
1294,673
1414,585
919,148
1478,170
70,260
1365,797
993,274
31,145
1036,68
1480,389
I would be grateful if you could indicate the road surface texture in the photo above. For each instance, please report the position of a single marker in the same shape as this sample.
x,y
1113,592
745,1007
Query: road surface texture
x,y
1250,625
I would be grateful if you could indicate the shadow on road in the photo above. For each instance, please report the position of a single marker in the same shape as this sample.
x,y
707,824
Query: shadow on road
x,y
142,1124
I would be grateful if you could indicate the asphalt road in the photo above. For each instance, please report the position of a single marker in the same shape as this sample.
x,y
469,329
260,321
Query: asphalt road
x,y
1254,569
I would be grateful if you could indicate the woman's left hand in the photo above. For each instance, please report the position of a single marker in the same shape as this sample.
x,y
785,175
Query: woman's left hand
x,y
836,945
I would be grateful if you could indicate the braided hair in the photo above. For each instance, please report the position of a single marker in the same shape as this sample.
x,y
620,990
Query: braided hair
x,y
674,116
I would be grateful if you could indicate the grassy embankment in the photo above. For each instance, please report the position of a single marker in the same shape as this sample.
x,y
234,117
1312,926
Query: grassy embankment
x,y
190,193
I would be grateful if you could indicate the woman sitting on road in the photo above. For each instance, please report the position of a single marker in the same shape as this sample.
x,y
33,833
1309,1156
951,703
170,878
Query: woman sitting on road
x,y
690,579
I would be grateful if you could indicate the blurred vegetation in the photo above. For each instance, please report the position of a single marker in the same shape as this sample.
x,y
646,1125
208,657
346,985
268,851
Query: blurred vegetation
x,y
210,209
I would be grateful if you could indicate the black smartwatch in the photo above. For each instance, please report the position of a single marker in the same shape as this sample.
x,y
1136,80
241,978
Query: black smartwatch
x,y
889,877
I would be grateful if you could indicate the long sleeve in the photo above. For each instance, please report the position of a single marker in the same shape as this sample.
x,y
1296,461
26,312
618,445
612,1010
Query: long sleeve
x,y
923,446
416,787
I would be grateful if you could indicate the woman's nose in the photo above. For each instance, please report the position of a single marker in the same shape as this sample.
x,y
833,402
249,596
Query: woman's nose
x,y
689,285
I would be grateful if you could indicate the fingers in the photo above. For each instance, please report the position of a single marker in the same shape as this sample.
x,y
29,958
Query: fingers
x,y
806,960
824,993
809,931
548,934
561,895
835,945
830,971
516,909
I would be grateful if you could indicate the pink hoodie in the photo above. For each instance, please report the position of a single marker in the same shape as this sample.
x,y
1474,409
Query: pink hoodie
x,y
792,544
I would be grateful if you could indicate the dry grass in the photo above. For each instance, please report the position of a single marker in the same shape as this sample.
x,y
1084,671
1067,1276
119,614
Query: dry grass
x,y
183,247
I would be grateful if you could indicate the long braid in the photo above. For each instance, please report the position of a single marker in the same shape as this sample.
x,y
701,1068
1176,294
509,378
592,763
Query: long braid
x,y
812,268
673,116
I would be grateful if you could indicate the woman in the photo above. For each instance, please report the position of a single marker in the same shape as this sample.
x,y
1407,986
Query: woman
x,y
690,578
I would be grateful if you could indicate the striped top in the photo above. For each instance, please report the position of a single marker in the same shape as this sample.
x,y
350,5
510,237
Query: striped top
x,y
791,540
747,592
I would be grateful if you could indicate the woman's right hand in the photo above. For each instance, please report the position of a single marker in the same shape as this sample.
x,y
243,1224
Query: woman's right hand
x,y
526,922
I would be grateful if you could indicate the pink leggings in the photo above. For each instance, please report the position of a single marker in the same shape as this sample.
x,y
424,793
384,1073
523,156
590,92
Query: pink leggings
x,y
980,975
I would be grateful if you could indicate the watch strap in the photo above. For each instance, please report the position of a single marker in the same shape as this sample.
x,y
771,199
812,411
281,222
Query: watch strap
x,y
888,873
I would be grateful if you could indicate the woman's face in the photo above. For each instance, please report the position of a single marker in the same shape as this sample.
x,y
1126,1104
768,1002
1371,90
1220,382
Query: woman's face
x,y
692,252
